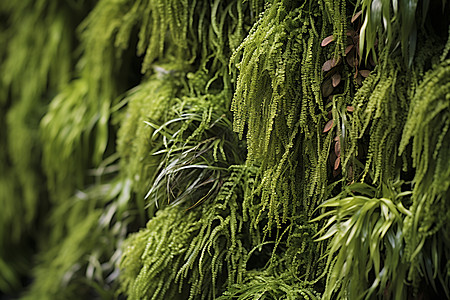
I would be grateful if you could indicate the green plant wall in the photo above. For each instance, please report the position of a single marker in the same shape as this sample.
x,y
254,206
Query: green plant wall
x,y
225,149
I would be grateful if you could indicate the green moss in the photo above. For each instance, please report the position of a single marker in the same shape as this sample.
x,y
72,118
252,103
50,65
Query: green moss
x,y
180,149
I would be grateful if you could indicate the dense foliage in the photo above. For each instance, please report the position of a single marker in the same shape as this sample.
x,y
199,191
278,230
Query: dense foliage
x,y
226,149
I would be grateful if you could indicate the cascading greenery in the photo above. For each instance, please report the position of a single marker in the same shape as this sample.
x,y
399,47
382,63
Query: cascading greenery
x,y
428,128
278,97
35,64
226,149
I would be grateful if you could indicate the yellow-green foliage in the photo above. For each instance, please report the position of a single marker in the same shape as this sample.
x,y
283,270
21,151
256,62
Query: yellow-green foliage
x,y
278,102
34,64
82,255
204,248
382,99
258,285
179,149
362,224
427,128
148,101
34,72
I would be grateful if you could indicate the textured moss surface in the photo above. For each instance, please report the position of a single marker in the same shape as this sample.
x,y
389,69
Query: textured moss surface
x,y
224,149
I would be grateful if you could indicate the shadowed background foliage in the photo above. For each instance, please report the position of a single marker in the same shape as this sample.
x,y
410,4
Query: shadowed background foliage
x,y
226,149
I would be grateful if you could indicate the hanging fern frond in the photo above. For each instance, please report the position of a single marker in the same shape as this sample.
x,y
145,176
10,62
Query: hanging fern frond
x,y
105,36
35,61
151,98
189,254
395,23
278,103
66,128
258,285
385,96
382,98
34,73
122,166
83,250
427,127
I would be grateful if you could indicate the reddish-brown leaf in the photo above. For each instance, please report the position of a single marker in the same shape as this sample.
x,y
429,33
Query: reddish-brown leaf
x,y
335,79
356,16
350,32
352,60
350,109
350,172
336,138
364,73
336,172
328,125
327,40
327,88
348,49
372,61
337,149
359,79
337,162
329,64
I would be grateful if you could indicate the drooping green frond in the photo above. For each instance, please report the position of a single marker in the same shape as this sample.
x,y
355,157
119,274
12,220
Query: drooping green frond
x,y
106,39
365,253
81,258
35,61
63,261
278,103
151,99
382,98
396,23
258,285
381,108
14,255
151,251
291,267
66,128
116,113
189,254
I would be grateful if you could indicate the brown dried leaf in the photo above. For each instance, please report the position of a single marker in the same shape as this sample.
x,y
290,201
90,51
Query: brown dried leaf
x,y
364,73
336,138
337,162
335,79
352,60
350,109
329,64
327,40
350,32
359,79
336,172
348,49
327,88
328,125
356,16
350,172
